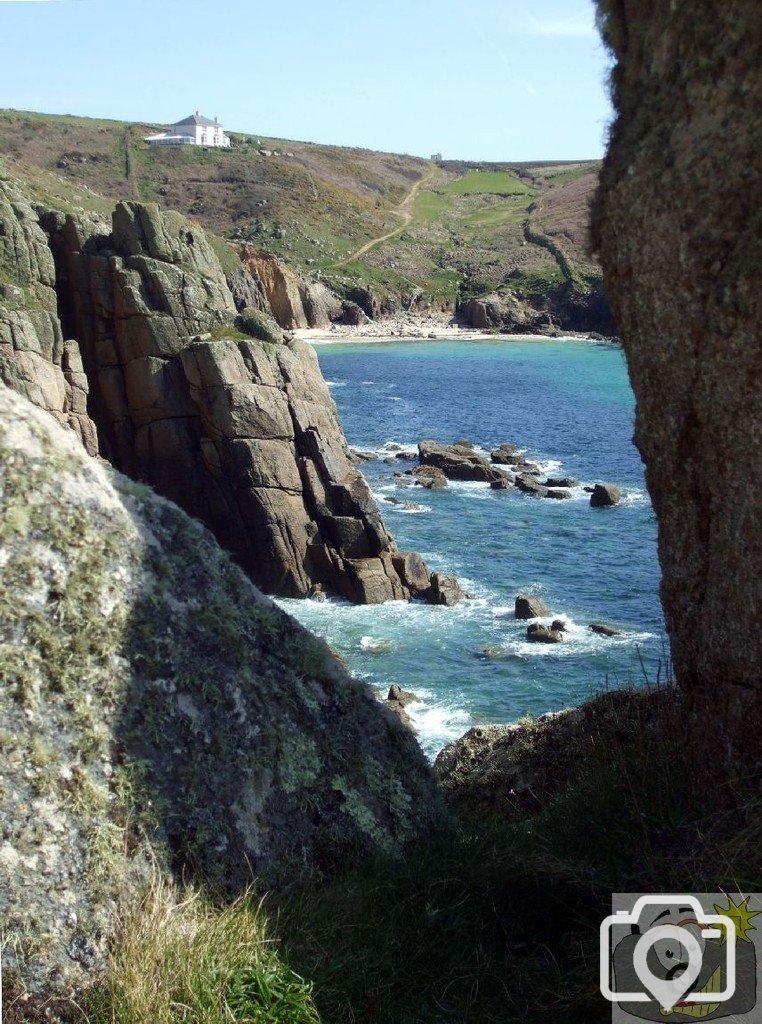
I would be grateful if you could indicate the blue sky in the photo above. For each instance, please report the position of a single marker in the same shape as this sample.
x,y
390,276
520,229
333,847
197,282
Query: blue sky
x,y
474,79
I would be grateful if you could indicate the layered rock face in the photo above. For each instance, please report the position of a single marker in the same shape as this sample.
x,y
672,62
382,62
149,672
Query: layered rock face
x,y
242,434
158,713
678,228
34,359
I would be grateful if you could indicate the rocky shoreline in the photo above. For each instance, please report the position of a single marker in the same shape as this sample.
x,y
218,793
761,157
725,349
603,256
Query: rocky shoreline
x,y
431,326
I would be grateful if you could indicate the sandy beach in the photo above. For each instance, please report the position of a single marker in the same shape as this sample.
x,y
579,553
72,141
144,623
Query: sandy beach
x,y
426,328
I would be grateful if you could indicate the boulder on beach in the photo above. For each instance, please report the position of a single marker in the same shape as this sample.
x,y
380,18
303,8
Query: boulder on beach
x,y
604,629
530,607
605,495
542,635
457,461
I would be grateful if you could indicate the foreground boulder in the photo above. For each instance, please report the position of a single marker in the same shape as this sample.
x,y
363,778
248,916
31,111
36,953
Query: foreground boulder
x,y
458,461
159,713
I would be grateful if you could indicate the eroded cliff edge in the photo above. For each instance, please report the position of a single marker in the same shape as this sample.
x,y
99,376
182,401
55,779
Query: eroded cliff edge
x,y
126,331
683,277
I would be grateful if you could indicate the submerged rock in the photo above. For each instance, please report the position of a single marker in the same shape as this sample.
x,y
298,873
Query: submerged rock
x,y
160,714
604,629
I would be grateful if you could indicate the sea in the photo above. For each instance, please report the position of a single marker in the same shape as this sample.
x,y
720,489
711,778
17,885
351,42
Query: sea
x,y
568,405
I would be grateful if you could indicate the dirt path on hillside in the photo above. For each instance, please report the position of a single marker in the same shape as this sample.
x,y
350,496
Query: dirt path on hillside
x,y
404,210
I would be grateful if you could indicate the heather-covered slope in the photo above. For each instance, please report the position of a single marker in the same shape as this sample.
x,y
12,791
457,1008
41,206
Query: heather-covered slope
x,y
387,231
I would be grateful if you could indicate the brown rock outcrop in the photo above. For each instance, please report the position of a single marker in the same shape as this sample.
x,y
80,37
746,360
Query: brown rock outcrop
x,y
293,301
677,225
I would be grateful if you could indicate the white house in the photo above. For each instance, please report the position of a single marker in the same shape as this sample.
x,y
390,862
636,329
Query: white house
x,y
195,130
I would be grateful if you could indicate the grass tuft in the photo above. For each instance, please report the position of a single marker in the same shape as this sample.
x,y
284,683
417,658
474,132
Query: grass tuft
x,y
179,958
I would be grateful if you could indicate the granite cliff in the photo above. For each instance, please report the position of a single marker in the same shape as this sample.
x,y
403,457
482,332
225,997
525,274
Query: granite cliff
x,y
678,225
128,331
160,714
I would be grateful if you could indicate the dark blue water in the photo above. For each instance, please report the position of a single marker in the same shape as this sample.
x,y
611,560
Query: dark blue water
x,y
569,404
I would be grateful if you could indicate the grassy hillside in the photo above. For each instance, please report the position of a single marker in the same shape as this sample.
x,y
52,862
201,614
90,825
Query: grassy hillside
x,y
463,229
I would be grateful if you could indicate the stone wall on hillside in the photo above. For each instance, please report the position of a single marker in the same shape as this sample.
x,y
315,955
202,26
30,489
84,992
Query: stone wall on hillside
x,y
678,225
241,433
159,714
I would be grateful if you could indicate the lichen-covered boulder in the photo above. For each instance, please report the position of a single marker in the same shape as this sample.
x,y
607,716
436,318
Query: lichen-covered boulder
x,y
158,713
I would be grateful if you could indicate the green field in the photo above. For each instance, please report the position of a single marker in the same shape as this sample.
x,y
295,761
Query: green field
x,y
499,183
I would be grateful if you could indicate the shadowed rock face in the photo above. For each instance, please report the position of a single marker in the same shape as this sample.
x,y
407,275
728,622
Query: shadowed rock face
x,y
678,227
242,434
159,714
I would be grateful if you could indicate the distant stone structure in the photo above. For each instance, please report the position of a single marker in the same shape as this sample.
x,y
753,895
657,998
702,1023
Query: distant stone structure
x,y
195,130
437,158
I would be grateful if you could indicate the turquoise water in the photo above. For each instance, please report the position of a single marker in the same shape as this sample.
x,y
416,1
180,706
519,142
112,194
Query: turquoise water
x,y
570,406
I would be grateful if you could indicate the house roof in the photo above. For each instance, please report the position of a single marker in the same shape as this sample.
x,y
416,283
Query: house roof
x,y
196,119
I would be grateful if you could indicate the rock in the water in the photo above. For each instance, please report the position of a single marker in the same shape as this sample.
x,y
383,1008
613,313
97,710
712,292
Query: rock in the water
x,y
561,481
429,477
403,697
361,456
528,485
604,629
557,493
160,714
530,607
605,495
559,625
504,454
457,461
541,634
445,590
502,484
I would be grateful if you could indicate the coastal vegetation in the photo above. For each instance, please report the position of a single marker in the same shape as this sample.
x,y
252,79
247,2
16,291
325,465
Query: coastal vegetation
x,y
314,206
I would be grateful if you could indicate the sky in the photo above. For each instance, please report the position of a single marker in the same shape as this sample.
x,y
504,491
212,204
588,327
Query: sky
x,y
472,79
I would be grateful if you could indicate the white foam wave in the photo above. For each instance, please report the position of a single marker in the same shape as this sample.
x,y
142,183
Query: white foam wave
x,y
336,383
